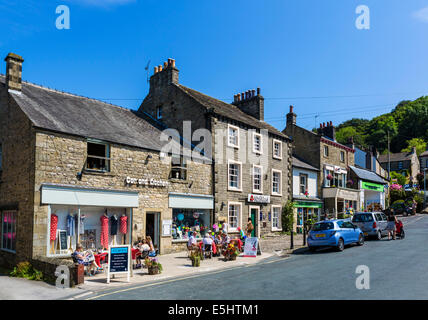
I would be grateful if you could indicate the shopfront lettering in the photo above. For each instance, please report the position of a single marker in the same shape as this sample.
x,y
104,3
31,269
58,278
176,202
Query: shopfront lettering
x,y
146,182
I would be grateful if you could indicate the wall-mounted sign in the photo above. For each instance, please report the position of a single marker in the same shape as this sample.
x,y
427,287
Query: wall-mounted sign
x,y
372,186
147,182
258,198
166,227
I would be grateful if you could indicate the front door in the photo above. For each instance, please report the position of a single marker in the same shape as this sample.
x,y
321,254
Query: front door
x,y
152,227
254,215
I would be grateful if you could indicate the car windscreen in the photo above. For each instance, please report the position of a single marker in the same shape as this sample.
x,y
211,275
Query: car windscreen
x,y
323,226
362,218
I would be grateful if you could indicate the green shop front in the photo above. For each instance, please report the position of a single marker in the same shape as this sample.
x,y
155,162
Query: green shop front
x,y
306,210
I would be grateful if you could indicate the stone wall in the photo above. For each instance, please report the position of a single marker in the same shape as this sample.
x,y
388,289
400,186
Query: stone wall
x,y
60,157
17,175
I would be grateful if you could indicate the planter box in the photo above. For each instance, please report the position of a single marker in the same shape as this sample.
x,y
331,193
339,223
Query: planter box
x,y
153,270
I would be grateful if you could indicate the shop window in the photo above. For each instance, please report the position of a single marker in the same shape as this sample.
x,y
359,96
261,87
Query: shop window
x,y
234,213
234,175
1,157
186,221
400,165
159,112
276,182
8,241
339,180
303,183
178,168
276,213
233,136
277,149
257,179
257,143
98,157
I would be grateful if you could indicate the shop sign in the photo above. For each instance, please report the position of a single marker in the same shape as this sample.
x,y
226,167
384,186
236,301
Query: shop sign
x,y
307,204
259,198
372,186
146,182
166,227
250,247
119,257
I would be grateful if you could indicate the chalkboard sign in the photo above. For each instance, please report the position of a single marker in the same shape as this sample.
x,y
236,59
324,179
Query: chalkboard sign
x,y
119,260
63,244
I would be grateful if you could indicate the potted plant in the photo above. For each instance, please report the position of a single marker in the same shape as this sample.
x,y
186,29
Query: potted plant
x,y
195,257
153,265
231,252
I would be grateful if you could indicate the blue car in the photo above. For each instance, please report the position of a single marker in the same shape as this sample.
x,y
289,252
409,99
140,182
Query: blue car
x,y
334,233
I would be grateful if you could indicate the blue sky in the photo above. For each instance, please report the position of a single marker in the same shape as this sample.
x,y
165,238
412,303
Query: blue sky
x,y
306,53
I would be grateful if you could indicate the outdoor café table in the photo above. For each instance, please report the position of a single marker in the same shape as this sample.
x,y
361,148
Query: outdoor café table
x,y
213,246
100,256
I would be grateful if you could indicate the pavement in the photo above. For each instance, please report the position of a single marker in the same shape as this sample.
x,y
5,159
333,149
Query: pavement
x,y
396,270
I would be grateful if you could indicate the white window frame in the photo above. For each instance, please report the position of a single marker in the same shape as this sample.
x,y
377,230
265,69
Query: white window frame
x,y
239,219
229,162
279,228
306,176
229,126
14,212
325,148
280,183
261,178
280,149
255,134
342,153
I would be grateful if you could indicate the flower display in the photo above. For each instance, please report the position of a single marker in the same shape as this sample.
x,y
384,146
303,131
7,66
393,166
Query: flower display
x,y
329,177
396,186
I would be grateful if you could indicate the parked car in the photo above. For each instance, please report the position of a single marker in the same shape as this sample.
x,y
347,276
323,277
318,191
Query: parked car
x,y
373,224
401,208
334,233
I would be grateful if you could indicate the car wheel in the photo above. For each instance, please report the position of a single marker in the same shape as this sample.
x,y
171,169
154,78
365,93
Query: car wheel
x,y
379,235
340,245
360,240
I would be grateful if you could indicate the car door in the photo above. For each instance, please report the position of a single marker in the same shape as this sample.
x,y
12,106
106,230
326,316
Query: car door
x,y
352,231
344,231
385,223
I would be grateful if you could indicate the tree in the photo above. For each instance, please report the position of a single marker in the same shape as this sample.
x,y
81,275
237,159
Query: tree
x,y
345,134
418,143
287,218
401,180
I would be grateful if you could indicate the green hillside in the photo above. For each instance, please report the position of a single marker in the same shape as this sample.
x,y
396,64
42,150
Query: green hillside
x,y
407,124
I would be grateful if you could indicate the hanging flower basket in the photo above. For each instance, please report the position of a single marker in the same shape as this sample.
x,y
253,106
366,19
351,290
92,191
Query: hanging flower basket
x,y
329,177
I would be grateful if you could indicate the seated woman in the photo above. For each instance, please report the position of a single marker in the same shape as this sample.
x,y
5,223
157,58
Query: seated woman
x,y
192,244
144,250
85,258
152,252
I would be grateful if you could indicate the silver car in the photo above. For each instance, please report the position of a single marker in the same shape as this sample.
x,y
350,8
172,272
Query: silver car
x,y
373,224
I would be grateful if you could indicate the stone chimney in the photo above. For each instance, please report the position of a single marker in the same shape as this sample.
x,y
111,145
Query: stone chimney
x,y
251,103
291,117
327,130
14,72
164,75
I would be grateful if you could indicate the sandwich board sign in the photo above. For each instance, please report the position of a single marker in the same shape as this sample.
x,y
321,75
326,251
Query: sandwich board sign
x,y
119,261
251,247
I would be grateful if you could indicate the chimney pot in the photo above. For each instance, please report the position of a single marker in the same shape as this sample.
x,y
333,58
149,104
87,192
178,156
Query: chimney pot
x,y
323,124
331,123
156,69
320,125
160,68
258,91
173,63
253,93
291,109
242,96
169,62
239,96
165,64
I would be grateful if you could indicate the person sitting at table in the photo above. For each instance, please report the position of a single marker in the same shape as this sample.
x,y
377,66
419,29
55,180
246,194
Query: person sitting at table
x,y
152,251
192,244
144,252
85,258
225,240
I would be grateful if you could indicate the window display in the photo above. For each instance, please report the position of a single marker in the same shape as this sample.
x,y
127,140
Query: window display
x,y
187,220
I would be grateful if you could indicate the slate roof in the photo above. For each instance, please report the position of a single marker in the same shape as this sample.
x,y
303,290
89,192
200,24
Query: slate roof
x,y
367,175
424,154
400,156
301,164
229,110
71,114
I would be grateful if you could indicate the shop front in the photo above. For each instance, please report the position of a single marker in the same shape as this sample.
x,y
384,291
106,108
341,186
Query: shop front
x,y
305,210
95,218
190,213
340,201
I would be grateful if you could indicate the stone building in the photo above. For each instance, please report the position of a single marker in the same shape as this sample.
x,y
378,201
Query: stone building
x,y
406,163
322,151
252,160
66,161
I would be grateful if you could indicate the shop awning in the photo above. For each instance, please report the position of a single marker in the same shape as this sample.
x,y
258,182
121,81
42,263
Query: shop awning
x,y
190,201
69,195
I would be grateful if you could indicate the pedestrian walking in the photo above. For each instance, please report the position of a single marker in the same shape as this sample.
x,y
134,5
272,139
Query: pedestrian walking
x,y
250,228
392,219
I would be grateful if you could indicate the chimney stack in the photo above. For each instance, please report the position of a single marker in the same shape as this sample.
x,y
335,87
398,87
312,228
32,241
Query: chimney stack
x,y
327,130
164,75
291,117
14,72
251,104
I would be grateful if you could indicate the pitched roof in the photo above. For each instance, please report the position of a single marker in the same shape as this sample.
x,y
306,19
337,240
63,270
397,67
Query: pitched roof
x,y
368,175
229,110
424,154
302,164
400,156
71,114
